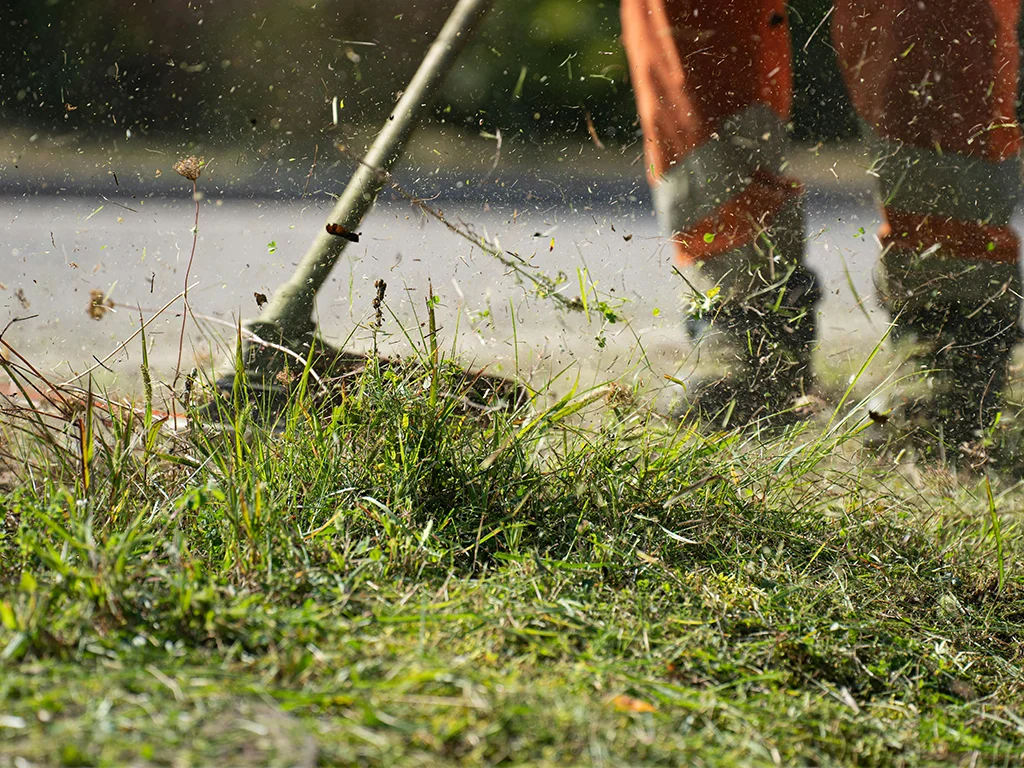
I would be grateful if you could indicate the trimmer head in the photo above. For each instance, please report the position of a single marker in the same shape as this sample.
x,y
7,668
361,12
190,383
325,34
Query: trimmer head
x,y
286,320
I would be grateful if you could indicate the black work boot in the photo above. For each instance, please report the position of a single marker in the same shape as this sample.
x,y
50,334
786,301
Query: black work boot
x,y
968,363
762,339
962,320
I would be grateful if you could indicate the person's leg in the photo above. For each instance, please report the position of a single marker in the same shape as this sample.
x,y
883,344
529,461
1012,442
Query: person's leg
x,y
935,84
713,85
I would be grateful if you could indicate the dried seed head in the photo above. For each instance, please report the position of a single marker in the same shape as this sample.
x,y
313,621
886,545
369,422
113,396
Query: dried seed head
x,y
190,167
618,396
286,377
378,302
99,303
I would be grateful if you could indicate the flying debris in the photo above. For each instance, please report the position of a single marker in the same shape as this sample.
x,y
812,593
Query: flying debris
x,y
340,231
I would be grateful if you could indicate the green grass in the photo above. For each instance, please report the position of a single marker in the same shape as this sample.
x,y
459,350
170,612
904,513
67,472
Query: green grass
x,y
395,579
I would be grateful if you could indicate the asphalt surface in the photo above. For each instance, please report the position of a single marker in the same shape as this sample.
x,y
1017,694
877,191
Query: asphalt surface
x,y
57,248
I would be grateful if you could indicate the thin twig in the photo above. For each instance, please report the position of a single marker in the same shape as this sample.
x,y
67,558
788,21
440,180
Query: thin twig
x,y
592,130
9,366
820,23
544,283
114,202
14,320
185,308
316,149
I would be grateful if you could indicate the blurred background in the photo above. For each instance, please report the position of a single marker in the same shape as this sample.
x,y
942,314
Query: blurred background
x,y
99,98
261,74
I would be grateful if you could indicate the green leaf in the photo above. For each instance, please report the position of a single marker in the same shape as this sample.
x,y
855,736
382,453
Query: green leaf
x,y
7,617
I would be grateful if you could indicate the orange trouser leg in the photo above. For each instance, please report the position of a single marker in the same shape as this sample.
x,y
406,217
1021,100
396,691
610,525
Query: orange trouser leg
x,y
936,82
713,85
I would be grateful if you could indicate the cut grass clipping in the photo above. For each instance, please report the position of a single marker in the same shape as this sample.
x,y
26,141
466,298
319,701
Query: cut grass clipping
x,y
398,575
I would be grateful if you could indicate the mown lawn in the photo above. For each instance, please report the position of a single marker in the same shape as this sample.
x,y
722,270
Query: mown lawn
x,y
397,579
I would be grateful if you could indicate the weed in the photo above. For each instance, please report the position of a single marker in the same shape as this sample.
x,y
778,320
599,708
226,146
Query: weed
x,y
190,168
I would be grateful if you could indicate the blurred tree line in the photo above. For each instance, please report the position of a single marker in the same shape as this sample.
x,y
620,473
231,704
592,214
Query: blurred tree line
x,y
226,71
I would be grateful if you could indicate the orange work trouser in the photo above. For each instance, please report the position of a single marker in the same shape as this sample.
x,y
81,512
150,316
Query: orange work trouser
x,y
934,82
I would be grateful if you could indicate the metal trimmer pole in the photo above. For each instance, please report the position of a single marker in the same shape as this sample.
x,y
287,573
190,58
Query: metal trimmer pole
x,y
287,319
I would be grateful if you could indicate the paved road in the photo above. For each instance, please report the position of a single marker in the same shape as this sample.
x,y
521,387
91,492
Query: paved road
x,y
55,250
